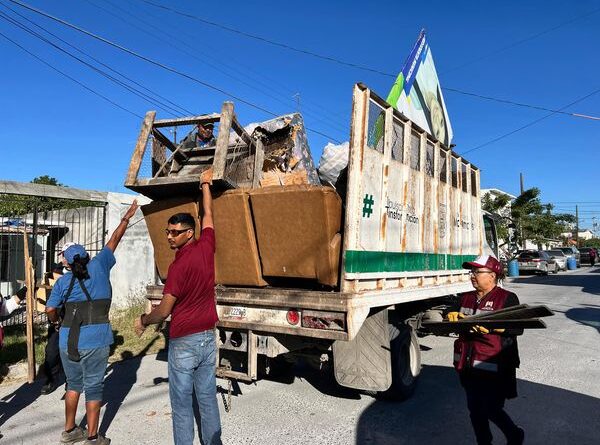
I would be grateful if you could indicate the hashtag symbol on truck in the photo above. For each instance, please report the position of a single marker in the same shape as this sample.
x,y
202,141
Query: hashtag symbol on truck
x,y
368,206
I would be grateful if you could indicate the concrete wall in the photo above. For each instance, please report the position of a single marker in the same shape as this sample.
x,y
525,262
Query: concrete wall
x,y
135,257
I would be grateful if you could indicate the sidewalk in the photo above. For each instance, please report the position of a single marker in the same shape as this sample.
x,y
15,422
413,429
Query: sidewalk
x,y
136,409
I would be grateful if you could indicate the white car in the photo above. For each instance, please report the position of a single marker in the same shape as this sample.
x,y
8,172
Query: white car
x,y
560,258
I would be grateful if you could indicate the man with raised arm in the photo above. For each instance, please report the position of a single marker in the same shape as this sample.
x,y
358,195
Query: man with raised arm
x,y
189,297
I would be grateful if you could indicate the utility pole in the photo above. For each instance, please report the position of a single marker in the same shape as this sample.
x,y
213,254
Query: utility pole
x,y
577,225
522,185
297,97
521,225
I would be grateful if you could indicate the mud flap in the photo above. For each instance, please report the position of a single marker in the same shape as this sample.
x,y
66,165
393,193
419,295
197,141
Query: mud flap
x,y
365,362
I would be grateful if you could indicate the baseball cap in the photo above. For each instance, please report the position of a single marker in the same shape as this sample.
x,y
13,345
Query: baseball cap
x,y
207,125
65,247
484,261
72,251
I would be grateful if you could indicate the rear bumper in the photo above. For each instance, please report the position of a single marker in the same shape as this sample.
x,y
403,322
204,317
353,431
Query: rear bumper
x,y
265,310
529,268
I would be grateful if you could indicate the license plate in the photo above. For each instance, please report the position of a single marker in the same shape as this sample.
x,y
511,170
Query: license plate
x,y
235,312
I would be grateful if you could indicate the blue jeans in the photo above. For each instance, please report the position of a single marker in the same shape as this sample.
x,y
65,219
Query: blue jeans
x,y
86,375
192,366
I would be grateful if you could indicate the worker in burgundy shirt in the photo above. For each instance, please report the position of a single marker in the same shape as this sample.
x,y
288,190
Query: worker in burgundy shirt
x,y
189,297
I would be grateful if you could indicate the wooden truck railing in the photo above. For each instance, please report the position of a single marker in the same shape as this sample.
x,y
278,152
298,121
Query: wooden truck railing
x,y
228,151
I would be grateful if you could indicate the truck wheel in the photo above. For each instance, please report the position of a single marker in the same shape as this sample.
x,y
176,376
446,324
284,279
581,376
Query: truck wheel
x,y
406,363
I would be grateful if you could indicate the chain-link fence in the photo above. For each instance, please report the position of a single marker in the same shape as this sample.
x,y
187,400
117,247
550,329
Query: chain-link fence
x,y
48,224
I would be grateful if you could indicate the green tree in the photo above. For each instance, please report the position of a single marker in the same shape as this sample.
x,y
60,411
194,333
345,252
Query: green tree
x,y
593,242
498,206
19,205
535,221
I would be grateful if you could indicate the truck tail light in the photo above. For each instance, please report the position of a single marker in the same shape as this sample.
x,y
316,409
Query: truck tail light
x,y
293,317
536,260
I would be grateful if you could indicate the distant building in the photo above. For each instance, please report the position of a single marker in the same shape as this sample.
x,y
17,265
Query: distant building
x,y
494,193
584,234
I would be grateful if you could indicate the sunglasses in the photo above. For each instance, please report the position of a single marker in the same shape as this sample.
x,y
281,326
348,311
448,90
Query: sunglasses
x,y
477,272
175,232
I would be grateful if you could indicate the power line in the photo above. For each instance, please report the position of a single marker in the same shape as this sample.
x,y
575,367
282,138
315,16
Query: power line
x,y
133,90
269,41
156,63
529,124
334,125
519,42
519,104
70,78
377,71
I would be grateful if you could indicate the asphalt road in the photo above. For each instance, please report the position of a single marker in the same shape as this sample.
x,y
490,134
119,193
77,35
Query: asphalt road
x,y
558,403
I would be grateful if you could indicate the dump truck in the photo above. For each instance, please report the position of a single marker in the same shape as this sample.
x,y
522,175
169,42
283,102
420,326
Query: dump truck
x,y
340,275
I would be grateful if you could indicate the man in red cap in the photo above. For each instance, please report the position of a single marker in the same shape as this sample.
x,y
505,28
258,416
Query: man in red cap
x,y
486,361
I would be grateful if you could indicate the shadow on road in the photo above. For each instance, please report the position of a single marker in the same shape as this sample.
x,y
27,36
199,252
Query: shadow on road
x,y
588,281
437,414
18,400
588,315
121,378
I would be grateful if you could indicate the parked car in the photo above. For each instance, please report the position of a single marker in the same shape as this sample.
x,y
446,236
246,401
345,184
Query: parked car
x,y
537,261
585,255
560,258
571,251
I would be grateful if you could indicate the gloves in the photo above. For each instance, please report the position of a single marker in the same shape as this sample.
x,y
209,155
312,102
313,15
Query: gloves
x,y
479,330
454,316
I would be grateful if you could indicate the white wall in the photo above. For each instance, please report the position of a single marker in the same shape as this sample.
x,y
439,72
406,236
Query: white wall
x,y
135,256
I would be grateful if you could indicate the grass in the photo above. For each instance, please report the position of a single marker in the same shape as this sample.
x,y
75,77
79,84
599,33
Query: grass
x,y
126,345
15,344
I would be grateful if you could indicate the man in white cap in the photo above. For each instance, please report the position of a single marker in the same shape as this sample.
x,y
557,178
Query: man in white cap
x,y
486,361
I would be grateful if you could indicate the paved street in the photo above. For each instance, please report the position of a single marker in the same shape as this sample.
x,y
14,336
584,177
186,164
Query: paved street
x,y
558,383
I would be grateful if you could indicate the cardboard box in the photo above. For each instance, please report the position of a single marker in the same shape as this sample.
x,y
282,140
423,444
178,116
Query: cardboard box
x,y
157,214
297,229
236,261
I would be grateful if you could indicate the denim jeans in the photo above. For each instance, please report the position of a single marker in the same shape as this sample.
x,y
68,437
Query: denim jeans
x,y
86,375
192,366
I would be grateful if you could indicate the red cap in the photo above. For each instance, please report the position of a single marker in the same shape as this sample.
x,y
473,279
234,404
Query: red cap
x,y
484,261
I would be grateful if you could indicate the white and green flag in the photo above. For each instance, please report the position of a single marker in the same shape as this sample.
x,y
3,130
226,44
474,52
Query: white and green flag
x,y
417,93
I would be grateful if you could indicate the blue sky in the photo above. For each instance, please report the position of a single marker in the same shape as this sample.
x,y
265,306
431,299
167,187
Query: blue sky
x,y
52,126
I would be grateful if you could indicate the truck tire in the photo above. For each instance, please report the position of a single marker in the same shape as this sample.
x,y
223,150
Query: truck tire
x,y
406,363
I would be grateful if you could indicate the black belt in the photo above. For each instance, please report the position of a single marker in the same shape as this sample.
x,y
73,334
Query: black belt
x,y
82,313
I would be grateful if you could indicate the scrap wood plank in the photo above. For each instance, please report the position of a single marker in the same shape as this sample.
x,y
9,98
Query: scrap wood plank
x,y
518,313
505,310
446,327
275,177
140,148
30,283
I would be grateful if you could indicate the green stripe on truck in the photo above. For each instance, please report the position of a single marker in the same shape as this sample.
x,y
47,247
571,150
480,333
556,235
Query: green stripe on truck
x,y
374,261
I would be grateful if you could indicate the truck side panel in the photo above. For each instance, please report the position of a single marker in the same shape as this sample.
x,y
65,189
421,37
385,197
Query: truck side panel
x,y
405,228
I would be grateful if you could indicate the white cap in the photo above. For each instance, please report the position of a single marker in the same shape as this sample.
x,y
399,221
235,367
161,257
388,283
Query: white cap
x,y
65,247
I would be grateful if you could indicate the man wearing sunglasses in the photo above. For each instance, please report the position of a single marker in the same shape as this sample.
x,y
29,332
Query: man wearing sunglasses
x,y
189,297
486,361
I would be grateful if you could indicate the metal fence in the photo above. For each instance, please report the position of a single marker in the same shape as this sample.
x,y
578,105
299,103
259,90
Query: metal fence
x,y
48,223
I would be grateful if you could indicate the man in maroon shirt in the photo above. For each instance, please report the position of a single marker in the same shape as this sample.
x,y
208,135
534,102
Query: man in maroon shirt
x,y
189,297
